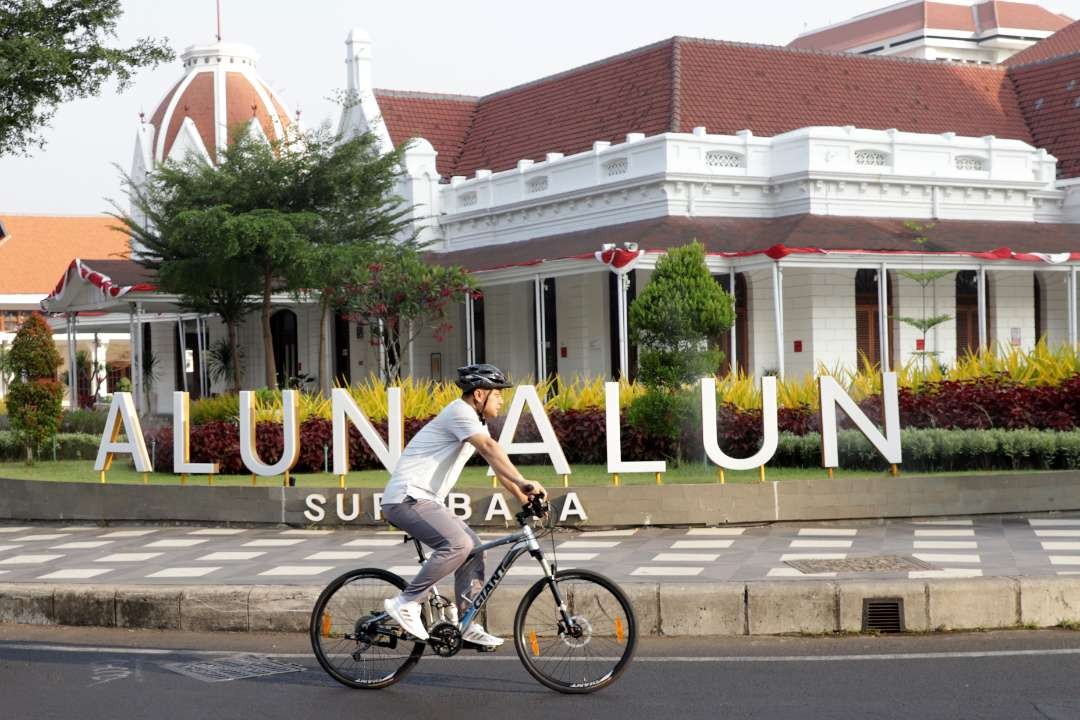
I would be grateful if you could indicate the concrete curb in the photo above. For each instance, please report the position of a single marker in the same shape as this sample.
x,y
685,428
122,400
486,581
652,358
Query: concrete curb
x,y
706,609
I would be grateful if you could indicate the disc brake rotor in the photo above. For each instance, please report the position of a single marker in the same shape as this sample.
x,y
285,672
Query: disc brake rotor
x,y
586,633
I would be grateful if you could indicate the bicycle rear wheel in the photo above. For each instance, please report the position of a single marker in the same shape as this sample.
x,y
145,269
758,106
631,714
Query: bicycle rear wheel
x,y
345,636
576,662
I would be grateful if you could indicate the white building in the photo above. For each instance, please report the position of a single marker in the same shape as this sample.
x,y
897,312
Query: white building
x,y
986,32
808,176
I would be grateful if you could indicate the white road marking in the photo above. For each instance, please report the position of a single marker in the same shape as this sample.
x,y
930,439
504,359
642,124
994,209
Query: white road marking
x,y
526,571
29,559
946,558
941,522
945,545
105,650
129,557
673,571
177,543
83,545
404,570
820,543
218,531
5,548
50,536
827,532
128,533
1061,545
575,556
14,529
609,533
944,533
373,542
296,570
792,572
728,532
583,544
1048,522
307,532
685,557
700,544
946,573
230,555
1057,533
338,555
75,574
183,572
273,543
812,556
1065,559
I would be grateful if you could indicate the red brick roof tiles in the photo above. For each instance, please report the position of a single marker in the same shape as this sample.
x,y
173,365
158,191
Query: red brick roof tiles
x,y
38,249
1064,42
1049,96
442,120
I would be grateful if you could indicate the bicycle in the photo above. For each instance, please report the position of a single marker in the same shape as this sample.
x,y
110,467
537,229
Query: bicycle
x,y
577,638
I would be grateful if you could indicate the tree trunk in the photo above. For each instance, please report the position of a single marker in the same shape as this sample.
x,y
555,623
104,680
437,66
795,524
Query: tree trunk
x,y
268,336
234,348
29,454
324,377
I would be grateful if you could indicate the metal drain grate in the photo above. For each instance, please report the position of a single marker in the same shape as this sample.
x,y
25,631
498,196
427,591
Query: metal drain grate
x,y
884,615
862,564
239,667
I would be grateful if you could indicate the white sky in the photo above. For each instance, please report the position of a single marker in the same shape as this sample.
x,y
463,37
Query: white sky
x,y
465,46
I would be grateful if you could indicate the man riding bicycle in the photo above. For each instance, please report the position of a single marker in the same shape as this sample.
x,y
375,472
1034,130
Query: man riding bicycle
x,y
414,499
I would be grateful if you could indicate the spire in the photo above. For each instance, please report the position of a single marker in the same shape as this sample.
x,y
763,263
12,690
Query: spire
x,y
219,20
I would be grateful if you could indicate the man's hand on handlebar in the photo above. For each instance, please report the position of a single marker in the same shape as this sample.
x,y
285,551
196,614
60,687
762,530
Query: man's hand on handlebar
x,y
534,488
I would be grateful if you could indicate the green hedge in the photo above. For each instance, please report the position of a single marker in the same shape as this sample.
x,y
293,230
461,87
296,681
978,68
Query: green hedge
x,y
943,450
69,446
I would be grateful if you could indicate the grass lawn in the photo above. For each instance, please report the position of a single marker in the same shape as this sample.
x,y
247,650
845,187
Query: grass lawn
x,y
122,472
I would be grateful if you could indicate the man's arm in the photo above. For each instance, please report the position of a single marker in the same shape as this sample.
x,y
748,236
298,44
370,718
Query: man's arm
x,y
508,475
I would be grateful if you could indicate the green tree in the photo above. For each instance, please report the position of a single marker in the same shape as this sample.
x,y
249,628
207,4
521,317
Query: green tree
x,y
925,279
679,316
399,294
35,397
55,51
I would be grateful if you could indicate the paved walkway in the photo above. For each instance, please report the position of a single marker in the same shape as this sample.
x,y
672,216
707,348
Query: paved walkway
x,y
961,547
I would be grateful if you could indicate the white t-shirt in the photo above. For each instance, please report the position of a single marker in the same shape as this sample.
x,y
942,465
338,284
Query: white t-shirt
x,y
433,459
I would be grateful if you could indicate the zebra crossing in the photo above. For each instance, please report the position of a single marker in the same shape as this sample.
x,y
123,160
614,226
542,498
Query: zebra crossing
x,y
961,547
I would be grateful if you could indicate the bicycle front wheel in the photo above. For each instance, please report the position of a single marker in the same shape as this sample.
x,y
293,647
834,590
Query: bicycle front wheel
x,y
347,631
598,646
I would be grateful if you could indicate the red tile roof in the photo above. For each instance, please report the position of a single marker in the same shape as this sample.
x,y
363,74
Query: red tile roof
x,y
921,16
1064,42
442,120
727,87
38,249
1049,94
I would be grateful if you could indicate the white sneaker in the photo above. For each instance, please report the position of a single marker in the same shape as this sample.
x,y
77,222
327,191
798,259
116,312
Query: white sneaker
x,y
407,615
476,634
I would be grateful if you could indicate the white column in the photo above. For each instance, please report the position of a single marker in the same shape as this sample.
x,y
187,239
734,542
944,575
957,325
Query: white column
x,y
470,331
183,353
137,361
883,315
382,354
623,281
733,362
778,316
1072,308
73,376
99,362
980,293
200,330
538,295
412,366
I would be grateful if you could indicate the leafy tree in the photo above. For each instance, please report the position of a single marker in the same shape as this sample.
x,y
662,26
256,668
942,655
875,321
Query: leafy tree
x,y
675,321
54,51
35,397
400,294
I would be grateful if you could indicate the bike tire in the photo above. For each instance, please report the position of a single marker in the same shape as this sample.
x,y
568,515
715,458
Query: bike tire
x,y
574,667
348,598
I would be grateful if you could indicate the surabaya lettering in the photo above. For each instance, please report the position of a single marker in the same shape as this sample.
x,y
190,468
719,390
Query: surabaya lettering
x,y
123,419
348,507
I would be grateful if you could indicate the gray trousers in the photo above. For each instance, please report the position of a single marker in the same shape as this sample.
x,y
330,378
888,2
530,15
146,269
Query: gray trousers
x,y
451,541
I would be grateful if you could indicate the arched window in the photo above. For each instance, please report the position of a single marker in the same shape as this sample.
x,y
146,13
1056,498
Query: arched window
x,y
286,346
741,328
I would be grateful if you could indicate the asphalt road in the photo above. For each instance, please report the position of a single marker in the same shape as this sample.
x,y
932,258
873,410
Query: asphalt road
x,y
88,674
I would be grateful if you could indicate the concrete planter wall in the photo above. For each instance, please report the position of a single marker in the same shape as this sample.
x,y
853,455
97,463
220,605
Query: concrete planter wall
x,y
714,504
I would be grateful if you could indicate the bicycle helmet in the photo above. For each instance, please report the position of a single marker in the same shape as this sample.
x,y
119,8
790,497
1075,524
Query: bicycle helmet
x,y
481,376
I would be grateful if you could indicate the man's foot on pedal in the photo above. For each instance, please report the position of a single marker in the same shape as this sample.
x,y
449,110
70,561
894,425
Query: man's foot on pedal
x,y
477,635
407,615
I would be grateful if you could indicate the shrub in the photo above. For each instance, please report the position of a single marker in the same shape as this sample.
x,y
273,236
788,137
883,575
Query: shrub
x,y
34,398
91,422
